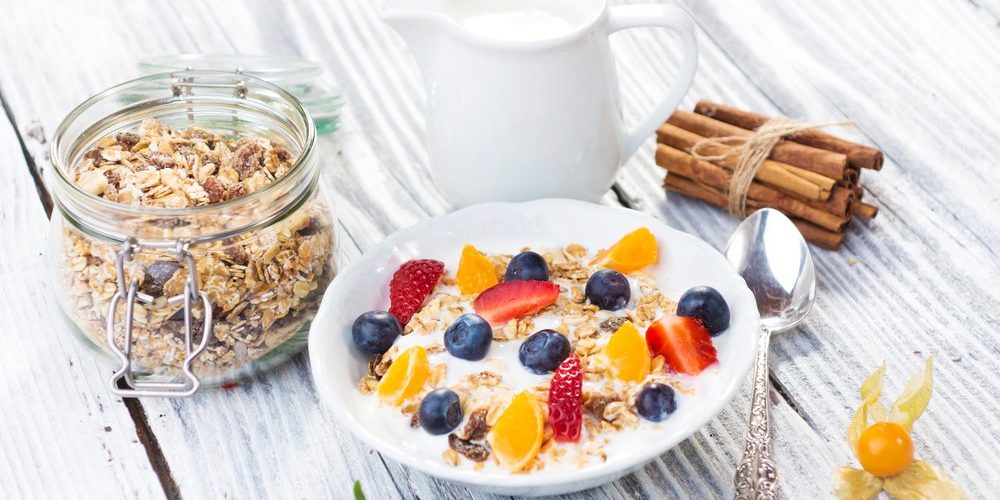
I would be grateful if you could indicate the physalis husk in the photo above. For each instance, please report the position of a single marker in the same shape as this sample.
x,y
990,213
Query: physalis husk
x,y
918,479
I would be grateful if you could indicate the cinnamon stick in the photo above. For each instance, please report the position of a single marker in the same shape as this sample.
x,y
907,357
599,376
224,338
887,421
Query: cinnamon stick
x,y
781,175
672,159
827,239
865,211
812,233
826,163
858,155
711,175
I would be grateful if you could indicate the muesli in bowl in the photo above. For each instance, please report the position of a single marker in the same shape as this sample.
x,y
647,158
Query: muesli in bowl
x,y
521,362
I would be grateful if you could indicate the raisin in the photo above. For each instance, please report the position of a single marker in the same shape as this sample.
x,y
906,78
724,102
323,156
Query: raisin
x,y
473,451
161,160
281,152
476,428
611,325
157,274
128,139
596,403
93,154
235,191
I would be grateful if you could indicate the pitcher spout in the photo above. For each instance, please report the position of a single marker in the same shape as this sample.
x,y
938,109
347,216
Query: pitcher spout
x,y
420,25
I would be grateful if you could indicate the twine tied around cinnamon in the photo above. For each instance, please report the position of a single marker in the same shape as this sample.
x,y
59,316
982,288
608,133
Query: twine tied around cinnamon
x,y
751,151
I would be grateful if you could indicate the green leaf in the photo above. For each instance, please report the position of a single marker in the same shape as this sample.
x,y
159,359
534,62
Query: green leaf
x,y
358,494
915,396
871,389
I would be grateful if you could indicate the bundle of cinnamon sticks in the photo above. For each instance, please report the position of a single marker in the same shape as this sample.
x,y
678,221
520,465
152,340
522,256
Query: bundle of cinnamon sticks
x,y
811,176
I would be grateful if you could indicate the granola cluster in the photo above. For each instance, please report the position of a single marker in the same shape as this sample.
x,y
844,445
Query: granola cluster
x,y
158,166
264,286
609,404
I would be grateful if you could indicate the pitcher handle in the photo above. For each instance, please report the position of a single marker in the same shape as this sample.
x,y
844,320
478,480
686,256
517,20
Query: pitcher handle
x,y
675,19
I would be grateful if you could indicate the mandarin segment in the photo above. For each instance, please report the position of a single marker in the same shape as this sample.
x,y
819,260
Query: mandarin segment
x,y
475,272
517,435
405,377
628,354
633,252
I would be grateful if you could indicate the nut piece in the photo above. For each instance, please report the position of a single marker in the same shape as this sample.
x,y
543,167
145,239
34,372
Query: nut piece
x,y
93,182
473,451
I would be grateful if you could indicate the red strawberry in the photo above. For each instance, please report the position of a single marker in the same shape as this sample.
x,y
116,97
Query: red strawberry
x,y
515,299
684,342
566,400
411,285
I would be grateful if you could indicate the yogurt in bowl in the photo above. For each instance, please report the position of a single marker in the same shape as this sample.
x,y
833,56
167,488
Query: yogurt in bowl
x,y
616,434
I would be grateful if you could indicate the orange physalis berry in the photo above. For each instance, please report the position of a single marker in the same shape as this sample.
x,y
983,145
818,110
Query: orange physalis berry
x,y
885,449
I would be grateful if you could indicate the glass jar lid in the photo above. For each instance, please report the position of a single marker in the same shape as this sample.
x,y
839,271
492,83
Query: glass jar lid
x,y
301,78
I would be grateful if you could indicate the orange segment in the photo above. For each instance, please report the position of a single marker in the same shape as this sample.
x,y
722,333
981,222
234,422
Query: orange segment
x,y
628,354
517,435
406,376
633,252
475,272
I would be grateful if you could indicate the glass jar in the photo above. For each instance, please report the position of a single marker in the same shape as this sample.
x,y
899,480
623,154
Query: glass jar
x,y
203,294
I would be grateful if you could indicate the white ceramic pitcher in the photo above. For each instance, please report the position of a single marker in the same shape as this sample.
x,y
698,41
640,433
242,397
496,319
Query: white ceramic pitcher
x,y
527,110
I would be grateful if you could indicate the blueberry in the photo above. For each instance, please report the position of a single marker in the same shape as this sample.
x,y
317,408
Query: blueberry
x,y
608,290
527,266
375,331
469,337
706,304
542,352
440,411
655,402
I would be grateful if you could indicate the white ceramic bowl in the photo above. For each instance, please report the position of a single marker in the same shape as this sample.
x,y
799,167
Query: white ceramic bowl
x,y
685,261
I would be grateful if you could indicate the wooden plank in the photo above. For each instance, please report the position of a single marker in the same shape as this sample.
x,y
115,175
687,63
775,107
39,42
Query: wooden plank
x,y
63,434
364,194
920,279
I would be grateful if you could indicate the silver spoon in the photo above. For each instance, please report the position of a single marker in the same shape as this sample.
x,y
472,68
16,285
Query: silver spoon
x,y
768,251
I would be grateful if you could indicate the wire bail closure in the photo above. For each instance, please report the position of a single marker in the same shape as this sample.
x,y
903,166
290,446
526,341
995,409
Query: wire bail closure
x,y
131,294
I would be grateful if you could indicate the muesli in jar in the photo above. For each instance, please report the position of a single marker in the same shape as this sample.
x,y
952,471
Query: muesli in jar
x,y
264,285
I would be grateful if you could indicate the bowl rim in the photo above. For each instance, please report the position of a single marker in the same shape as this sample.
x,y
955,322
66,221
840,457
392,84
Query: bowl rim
x,y
609,469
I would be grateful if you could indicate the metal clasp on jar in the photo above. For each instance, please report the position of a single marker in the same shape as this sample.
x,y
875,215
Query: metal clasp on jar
x,y
131,294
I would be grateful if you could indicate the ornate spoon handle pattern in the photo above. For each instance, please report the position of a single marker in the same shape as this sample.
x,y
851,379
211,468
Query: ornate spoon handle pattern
x,y
756,476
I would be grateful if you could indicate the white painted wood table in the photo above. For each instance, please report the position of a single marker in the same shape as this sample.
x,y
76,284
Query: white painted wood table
x,y
919,76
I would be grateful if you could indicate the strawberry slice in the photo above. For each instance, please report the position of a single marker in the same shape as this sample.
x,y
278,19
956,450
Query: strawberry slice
x,y
515,299
684,342
410,286
566,400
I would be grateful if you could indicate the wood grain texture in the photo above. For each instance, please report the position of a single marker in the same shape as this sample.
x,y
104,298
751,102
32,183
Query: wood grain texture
x,y
880,298
61,428
914,283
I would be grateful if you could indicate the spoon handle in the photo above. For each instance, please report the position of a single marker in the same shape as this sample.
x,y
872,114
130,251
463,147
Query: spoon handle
x,y
756,476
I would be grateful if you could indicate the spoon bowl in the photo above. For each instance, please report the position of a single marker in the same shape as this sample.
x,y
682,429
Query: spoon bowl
x,y
768,251
770,254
